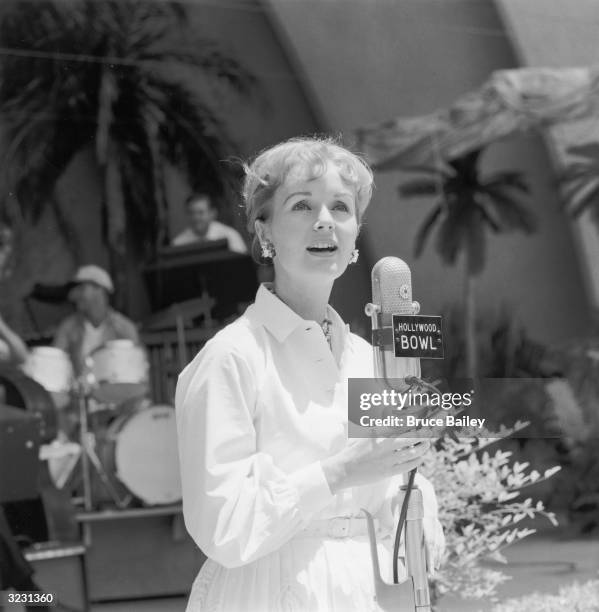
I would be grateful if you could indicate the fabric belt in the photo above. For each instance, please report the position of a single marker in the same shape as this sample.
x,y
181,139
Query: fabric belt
x,y
337,527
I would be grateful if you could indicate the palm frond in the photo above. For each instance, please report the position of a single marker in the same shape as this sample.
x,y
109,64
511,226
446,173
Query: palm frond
x,y
589,150
452,235
576,169
193,139
419,187
581,194
489,217
580,180
510,179
42,158
510,212
442,170
85,72
425,229
214,64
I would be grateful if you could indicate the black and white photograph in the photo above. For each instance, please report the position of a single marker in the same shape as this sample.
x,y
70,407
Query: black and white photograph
x,y
299,306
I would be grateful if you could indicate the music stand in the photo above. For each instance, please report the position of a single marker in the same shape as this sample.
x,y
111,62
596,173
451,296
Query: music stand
x,y
184,273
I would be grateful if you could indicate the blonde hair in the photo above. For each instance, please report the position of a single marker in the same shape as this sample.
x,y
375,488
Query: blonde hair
x,y
267,172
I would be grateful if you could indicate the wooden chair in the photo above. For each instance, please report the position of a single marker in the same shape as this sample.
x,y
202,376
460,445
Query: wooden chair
x,y
169,352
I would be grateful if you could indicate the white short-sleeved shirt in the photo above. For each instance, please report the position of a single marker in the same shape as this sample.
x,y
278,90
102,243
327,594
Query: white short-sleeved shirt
x,y
93,337
257,410
216,231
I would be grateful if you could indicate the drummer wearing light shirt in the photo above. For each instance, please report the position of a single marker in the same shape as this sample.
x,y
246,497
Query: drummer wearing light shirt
x,y
94,322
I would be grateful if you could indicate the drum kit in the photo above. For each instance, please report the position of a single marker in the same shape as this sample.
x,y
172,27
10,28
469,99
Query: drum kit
x,y
127,444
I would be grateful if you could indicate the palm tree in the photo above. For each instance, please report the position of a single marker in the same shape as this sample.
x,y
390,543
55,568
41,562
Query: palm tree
x,y
467,207
580,181
81,74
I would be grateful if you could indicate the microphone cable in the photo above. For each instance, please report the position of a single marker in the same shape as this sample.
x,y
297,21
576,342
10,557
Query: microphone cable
x,y
402,519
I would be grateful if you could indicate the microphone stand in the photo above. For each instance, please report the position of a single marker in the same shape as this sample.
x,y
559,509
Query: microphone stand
x,y
413,592
414,544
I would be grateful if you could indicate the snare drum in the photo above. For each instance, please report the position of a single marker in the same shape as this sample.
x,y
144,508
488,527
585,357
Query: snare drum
x,y
120,371
140,450
51,367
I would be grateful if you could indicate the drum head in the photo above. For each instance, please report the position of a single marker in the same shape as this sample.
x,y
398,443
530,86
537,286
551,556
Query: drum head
x,y
146,455
51,367
120,370
117,392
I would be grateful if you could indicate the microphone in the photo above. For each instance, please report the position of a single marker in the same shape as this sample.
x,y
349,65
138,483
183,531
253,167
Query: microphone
x,y
391,294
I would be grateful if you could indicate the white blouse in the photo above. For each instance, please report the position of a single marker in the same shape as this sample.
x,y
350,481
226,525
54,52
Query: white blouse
x,y
258,408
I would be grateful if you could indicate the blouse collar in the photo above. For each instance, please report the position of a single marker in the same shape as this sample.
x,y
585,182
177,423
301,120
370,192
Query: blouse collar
x,y
279,319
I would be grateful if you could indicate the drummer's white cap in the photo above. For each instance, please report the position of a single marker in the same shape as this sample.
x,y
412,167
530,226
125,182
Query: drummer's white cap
x,y
93,274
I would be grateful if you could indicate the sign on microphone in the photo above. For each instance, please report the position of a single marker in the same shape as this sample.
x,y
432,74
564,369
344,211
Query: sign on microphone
x,y
418,336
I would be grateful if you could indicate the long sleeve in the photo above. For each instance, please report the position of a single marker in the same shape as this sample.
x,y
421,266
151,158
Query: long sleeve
x,y
237,504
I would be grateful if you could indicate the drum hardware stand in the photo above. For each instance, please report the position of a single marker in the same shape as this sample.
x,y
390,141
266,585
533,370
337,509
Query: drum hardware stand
x,y
89,457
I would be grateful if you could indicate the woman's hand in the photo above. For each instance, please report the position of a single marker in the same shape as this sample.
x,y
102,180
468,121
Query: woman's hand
x,y
434,542
368,460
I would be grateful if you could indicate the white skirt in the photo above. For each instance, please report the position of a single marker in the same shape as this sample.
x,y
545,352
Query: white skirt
x,y
304,575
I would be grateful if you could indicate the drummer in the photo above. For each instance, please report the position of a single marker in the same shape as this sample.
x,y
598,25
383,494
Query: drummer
x,y
94,323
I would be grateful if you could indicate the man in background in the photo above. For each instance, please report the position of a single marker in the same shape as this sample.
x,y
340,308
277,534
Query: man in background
x,y
94,322
203,225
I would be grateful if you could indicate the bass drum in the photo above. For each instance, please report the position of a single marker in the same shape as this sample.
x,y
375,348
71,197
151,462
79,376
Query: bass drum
x,y
20,391
140,450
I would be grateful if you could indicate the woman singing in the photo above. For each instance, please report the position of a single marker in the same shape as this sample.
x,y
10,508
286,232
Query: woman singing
x,y
272,487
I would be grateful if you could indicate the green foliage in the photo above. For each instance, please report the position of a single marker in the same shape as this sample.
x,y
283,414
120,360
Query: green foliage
x,y
481,508
85,74
543,397
467,207
580,181
573,597
504,348
581,364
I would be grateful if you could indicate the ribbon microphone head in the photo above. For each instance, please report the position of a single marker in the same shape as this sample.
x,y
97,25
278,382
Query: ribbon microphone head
x,y
391,295
392,289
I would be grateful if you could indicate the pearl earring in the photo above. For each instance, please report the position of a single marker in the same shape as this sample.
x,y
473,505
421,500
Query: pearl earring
x,y
354,256
268,250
